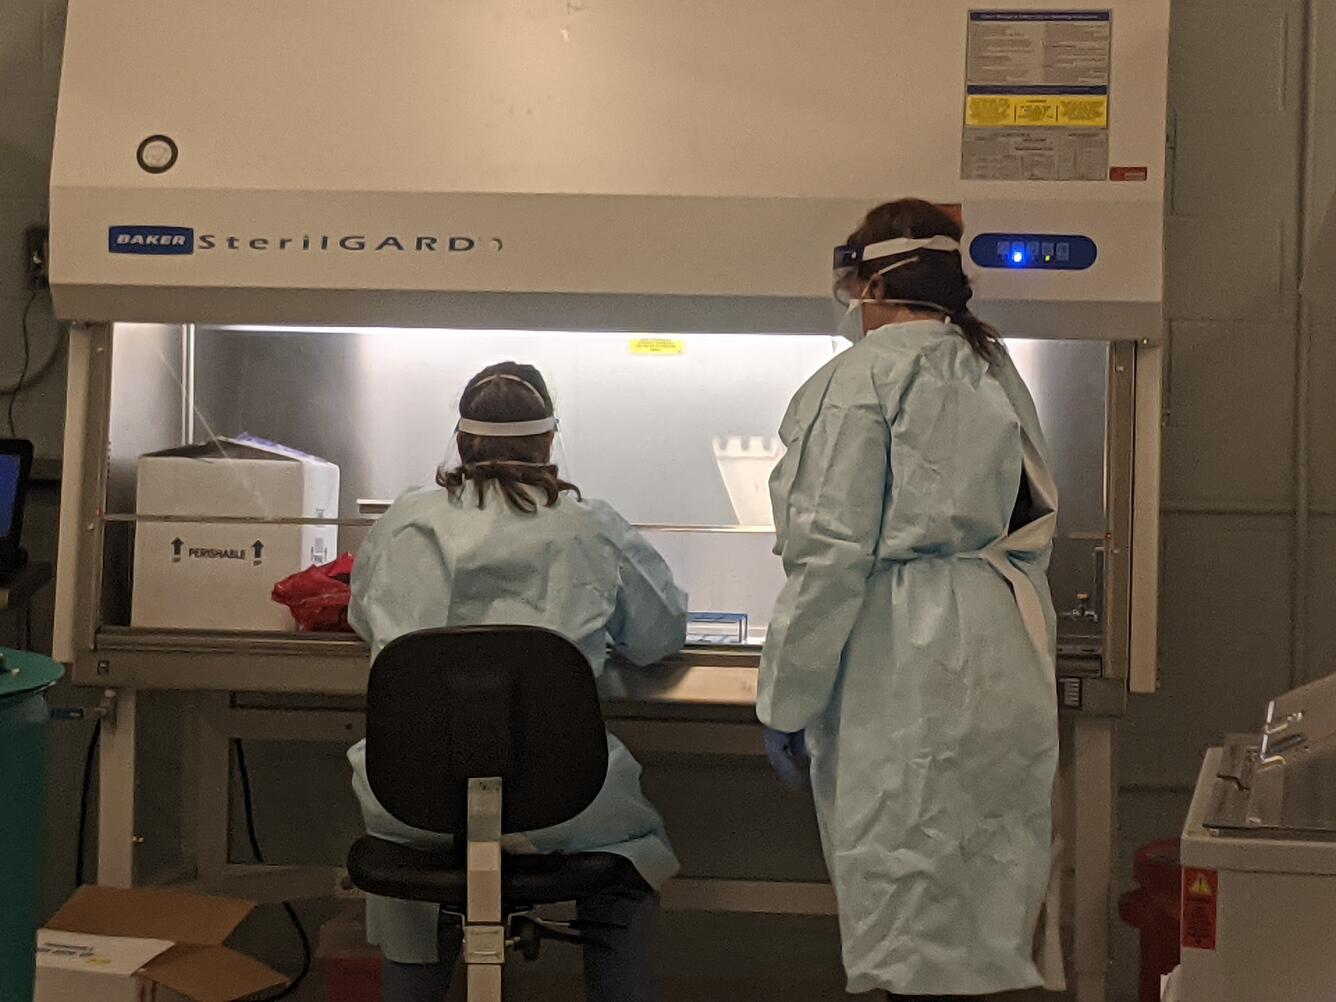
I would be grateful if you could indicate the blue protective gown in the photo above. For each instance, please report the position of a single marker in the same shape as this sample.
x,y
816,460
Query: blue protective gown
x,y
914,642
576,568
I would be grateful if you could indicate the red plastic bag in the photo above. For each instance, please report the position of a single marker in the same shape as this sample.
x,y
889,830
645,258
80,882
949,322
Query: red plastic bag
x,y
318,596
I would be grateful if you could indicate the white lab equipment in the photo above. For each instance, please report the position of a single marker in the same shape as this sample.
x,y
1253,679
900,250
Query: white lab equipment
x,y
1259,860
746,467
317,227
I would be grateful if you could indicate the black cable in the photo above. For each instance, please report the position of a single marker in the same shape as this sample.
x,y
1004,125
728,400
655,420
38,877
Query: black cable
x,y
23,371
84,788
248,806
35,373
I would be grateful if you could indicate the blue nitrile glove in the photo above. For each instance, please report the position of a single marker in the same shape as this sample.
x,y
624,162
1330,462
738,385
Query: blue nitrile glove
x,y
788,757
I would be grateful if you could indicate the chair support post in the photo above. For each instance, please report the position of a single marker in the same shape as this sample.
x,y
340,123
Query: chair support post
x,y
484,933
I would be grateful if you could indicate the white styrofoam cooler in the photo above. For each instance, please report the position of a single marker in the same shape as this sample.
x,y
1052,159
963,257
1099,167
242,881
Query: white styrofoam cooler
x,y
202,576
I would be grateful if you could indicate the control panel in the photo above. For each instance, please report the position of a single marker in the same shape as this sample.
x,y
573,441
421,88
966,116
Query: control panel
x,y
1033,251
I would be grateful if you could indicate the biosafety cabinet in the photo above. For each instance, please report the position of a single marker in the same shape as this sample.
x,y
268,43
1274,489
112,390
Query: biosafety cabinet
x,y
304,226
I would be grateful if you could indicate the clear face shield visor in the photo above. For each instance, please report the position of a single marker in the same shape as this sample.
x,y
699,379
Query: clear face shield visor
x,y
510,429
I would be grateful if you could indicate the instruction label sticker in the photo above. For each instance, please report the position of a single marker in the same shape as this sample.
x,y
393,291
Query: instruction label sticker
x,y
1037,101
1003,111
658,346
1201,896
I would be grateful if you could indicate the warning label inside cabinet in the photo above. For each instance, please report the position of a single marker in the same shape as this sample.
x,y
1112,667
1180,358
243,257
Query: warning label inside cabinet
x,y
1037,96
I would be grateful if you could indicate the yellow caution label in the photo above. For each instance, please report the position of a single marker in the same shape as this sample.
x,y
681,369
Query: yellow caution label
x,y
989,112
657,346
1201,888
1084,112
1032,111
1002,111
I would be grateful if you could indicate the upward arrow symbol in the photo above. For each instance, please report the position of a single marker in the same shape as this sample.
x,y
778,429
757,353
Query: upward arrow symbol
x,y
176,547
258,547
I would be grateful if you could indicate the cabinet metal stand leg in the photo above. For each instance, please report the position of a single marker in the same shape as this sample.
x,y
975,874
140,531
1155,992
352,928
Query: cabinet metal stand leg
x,y
117,779
1094,827
205,725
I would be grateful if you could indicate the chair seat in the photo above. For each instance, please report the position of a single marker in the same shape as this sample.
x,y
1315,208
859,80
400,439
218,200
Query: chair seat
x,y
399,871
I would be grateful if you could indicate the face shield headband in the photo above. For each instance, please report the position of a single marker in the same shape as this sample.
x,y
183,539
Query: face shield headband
x,y
851,257
509,429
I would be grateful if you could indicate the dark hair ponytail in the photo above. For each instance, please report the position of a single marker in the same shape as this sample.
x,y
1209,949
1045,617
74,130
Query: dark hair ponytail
x,y
928,276
982,337
506,392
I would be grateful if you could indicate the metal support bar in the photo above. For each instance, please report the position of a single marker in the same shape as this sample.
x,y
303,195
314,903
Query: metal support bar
x,y
752,897
321,726
1094,813
484,935
117,775
205,713
187,384
664,737
1143,667
269,884
65,639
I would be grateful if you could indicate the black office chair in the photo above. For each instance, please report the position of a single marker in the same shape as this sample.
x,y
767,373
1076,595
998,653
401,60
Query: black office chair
x,y
475,733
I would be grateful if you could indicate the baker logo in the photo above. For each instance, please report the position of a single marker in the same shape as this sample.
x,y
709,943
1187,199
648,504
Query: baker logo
x,y
151,240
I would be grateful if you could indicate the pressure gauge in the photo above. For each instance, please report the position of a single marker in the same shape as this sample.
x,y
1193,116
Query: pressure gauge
x,y
157,154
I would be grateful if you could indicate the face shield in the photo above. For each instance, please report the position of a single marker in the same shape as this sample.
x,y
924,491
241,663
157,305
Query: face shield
x,y
847,285
510,429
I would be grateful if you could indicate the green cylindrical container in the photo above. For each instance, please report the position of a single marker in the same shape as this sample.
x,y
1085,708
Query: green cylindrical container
x,y
24,679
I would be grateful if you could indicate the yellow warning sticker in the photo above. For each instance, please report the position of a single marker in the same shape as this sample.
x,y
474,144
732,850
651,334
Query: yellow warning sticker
x,y
657,346
1002,111
1201,887
1091,112
987,111
1031,111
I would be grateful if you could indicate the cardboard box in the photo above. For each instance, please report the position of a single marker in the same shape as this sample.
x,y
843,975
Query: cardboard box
x,y
146,945
201,576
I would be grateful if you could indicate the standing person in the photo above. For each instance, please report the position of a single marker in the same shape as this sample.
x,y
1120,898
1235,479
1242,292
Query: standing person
x,y
912,649
504,540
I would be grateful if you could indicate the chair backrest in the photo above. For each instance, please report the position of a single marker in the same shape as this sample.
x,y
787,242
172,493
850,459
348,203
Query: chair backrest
x,y
515,702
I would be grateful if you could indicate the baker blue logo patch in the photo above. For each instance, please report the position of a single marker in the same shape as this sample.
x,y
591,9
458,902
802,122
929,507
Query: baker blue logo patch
x,y
151,240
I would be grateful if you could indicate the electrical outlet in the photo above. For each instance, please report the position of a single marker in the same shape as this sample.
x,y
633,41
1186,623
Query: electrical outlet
x,y
37,256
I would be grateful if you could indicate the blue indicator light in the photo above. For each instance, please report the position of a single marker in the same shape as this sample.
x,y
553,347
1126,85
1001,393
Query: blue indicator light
x,y
1018,257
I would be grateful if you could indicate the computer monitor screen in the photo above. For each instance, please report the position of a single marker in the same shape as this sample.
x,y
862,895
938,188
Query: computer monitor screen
x,y
10,470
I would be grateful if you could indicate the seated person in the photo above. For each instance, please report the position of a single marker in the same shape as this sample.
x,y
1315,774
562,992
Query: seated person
x,y
503,540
